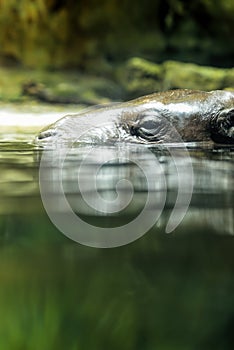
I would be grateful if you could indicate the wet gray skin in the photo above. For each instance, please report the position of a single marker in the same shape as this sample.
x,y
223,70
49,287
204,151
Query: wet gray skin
x,y
163,117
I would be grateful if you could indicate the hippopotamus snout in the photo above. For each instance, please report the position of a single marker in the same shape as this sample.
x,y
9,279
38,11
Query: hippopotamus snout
x,y
158,118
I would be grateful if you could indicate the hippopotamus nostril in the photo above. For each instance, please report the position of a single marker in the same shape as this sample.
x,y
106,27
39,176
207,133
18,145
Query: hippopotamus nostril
x,y
46,134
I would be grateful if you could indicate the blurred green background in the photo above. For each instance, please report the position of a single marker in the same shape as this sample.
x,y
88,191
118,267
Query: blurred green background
x,y
65,33
135,47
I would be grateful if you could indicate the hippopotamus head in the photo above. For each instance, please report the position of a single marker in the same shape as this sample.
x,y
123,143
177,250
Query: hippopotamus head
x,y
157,118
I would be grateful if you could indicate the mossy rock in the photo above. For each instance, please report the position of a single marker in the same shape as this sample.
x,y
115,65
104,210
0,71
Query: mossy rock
x,y
229,79
63,87
192,76
139,77
87,90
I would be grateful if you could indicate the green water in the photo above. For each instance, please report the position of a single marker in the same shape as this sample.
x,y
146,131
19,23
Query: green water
x,y
162,291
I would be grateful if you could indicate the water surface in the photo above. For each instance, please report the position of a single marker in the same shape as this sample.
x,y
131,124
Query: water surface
x,y
162,291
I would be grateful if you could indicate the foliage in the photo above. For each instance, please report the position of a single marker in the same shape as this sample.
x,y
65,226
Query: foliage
x,y
86,33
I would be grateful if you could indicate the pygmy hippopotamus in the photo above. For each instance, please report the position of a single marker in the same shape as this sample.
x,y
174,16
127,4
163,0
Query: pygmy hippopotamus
x,y
156,118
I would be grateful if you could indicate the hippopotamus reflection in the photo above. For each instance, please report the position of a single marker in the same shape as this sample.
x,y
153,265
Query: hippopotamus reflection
x,y
157,118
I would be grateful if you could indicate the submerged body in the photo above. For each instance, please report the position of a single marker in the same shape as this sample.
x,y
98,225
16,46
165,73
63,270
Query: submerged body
x,y
170,116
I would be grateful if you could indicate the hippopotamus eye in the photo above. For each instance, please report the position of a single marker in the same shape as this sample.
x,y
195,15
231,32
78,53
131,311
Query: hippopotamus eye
x,y
147,129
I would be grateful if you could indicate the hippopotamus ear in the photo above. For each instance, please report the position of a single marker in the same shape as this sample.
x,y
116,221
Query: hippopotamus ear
x,y
222,127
